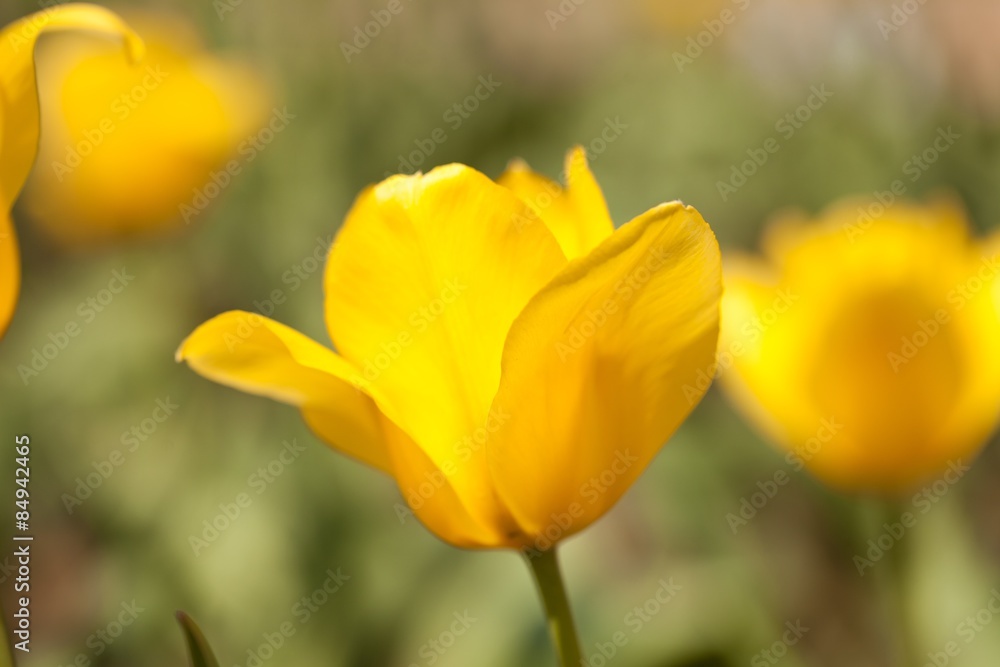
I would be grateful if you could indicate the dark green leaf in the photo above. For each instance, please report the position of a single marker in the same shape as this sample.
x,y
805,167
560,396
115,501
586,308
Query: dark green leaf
x,y
201,652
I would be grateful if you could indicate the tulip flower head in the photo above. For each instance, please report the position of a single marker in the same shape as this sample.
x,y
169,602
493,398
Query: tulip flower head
x,y
504,353
124,148
19,123
867,343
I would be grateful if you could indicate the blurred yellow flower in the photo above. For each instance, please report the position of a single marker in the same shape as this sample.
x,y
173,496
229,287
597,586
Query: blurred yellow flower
x,y
506,355
19,117
124,147
682,18
867,344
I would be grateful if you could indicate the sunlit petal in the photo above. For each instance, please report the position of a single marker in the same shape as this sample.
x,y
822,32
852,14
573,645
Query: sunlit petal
x,y
603,365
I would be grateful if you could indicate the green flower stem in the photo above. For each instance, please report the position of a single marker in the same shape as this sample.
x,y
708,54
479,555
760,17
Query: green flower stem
x,y
890,583
898,561
545,568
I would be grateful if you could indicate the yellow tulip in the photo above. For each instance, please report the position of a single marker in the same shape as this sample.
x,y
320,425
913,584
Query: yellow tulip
x,y
867,343
504,353
19,124
124,149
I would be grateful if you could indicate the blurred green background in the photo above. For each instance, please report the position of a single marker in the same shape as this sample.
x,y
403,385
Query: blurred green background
x,y
566,71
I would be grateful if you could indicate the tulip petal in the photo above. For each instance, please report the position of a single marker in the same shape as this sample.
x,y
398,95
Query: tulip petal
x,y
422,285
431,493
993,249
577,215
10,271
602,367
19,121
19,133
259,356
